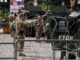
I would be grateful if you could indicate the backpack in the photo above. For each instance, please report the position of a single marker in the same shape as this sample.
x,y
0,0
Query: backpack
x,y
13,28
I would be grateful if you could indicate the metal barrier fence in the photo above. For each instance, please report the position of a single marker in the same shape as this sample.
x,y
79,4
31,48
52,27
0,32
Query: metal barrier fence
x,y
37,56
7,51
52,43
32,55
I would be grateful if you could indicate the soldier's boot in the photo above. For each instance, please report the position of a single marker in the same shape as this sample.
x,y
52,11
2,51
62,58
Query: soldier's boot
x,y
21,54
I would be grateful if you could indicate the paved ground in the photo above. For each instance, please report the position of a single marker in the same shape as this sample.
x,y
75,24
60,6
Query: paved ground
x,y
6,50
32,50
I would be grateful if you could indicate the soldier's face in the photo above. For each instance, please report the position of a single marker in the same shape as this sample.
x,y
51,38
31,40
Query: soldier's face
x,y
22,17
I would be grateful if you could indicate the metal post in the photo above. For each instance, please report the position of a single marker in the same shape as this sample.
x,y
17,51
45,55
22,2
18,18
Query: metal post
x,y
53,49
15,49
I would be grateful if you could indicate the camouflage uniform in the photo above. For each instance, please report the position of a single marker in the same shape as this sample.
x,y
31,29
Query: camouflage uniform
x,y
11,19
20,31
72,4
38,27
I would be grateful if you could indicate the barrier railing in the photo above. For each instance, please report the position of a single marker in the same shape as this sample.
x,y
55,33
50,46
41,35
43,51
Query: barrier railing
x,y
7,51
51,41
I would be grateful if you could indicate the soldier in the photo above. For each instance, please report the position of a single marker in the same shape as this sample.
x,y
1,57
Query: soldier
x,y
38,27
12,28
20,32
72,4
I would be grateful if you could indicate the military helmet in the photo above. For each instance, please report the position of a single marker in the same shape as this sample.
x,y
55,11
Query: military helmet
x,y
21,15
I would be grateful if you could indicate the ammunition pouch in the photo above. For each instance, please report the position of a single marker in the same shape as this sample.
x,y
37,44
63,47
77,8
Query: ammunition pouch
x,y
13,28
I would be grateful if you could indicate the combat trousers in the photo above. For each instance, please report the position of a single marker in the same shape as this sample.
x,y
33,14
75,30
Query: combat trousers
x,y
21,43
38,35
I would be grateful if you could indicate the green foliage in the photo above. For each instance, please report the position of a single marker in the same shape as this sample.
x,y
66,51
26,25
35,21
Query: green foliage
x,y
1,18
5,11
46,6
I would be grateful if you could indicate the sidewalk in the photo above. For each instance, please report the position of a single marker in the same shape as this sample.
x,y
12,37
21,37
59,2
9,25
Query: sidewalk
x,y
32,50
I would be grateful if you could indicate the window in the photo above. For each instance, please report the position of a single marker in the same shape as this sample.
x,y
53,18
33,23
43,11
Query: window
x,y
3,0
62,25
